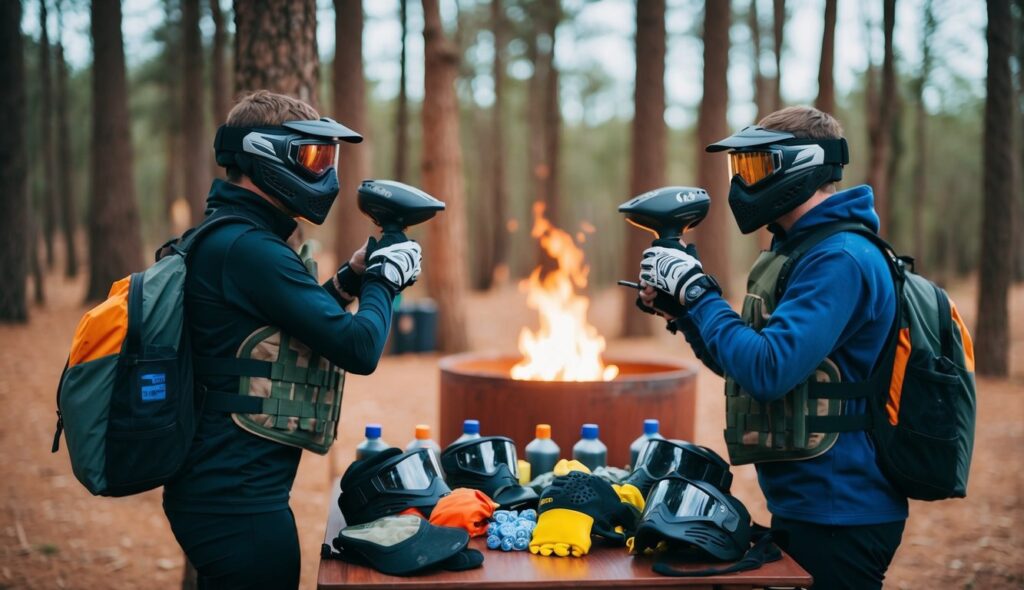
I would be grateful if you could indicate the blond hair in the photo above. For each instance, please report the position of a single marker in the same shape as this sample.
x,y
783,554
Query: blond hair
x,y
805,123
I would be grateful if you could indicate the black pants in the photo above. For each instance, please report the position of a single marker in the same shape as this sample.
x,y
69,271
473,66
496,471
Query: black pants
x,y
854,557
239,551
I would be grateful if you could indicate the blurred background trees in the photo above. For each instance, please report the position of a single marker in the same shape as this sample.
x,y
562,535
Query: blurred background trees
x,y
117,155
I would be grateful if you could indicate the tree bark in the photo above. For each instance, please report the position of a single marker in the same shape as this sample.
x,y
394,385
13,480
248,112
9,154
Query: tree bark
x,y
275,48
650,142
826,100
46,144
195,145
402,113
880,132
220,74
713,235
778,29
115,244
499,184
14,207
351,227
65,169
445,268
545,115
1018,234
995,267
760,83
920,192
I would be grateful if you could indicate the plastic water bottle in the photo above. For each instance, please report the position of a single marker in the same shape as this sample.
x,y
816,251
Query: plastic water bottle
x,y
590,450
650,431
470,430
373,443
542,452
423,440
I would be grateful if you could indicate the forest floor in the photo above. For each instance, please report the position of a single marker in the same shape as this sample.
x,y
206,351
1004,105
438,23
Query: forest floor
x,y
53,534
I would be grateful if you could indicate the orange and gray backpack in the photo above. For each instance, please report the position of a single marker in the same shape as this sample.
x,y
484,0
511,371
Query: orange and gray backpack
x,y
920,395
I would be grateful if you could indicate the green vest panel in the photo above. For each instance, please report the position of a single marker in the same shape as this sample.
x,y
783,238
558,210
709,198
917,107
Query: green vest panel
x,y
785,429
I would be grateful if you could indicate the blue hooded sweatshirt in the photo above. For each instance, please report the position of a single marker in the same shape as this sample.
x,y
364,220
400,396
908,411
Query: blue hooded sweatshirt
x,y
839,303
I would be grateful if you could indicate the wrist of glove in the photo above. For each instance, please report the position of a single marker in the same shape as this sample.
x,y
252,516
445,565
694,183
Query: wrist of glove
x,y
398,265
347,282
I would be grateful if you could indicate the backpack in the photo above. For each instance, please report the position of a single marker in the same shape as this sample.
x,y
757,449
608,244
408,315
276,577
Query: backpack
x,y
126,402
921,393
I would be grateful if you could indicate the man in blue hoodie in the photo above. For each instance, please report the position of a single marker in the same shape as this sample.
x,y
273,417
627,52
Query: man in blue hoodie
x,y
820,306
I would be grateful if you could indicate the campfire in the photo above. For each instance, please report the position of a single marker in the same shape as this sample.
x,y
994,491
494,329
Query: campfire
x,y
566,347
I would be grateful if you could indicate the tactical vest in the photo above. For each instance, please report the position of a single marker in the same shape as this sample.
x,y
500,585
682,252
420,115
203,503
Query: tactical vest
x,y
286,392
807,420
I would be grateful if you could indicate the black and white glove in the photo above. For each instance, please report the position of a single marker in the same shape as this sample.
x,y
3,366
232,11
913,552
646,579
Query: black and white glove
x,y
669,270
398,264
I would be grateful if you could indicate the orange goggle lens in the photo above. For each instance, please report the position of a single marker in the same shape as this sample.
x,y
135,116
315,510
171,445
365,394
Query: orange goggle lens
x,y
752,167
318,157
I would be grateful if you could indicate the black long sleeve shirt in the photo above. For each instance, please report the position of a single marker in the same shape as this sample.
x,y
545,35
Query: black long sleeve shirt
x,y
242,277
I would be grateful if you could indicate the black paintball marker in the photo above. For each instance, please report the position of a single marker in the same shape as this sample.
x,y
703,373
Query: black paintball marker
x,y
395,206
668,213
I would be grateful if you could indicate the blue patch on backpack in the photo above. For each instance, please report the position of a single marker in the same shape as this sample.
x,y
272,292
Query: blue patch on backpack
x,y
156,389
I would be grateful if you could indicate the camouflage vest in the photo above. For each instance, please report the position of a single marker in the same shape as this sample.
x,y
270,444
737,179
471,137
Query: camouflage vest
x,y
796,426
287,393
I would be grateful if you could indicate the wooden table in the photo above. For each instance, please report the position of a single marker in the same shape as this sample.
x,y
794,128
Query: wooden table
x,y
603,567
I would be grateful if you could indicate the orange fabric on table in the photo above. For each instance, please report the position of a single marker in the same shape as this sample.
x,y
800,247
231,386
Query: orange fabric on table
x,y
466,509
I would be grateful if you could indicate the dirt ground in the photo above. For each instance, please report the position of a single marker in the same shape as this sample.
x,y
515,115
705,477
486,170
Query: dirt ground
x,y
53,534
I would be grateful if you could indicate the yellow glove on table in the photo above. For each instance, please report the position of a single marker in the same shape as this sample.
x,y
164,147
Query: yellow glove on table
x,y
630,494
562,532
564,466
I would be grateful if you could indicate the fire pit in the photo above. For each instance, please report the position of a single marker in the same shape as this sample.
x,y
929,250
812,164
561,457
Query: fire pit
x,y
479,386
561,378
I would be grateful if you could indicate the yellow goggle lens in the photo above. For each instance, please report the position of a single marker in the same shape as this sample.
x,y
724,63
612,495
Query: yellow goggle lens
x,y
751,166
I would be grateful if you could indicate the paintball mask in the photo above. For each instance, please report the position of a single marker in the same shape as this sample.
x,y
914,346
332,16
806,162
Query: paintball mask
x,y
296,162
660,458
694,517
389,482
773,172
487,464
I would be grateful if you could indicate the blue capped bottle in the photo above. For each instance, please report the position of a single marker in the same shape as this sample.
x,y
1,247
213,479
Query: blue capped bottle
x,y
651,426
589,450
373,443
470,430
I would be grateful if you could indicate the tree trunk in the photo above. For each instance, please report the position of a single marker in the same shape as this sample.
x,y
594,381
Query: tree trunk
x,y
499,185
220,74
402,109
650,142
880,133
351,227
713,236
14,207
441,170
778,28
64,162
46,144
826,100
992,341
275,48
760,83
920,191
1018,235
115,245
545,116
195,145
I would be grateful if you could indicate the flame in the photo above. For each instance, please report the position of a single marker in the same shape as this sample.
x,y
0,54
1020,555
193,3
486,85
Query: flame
x,y
565,347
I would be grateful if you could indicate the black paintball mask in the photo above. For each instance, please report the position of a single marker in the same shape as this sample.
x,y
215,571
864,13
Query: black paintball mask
x,y
389,482
488,464
774,172
296,162
660,458
696,518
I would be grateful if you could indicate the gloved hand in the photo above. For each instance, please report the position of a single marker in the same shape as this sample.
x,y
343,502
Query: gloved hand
x,y
668,269
398,265
574,506
347,283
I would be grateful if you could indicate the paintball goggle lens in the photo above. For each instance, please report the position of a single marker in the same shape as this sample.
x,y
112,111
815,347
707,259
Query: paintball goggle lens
x,y
487,455
753,167
681,499
317,158
661,457
415,471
